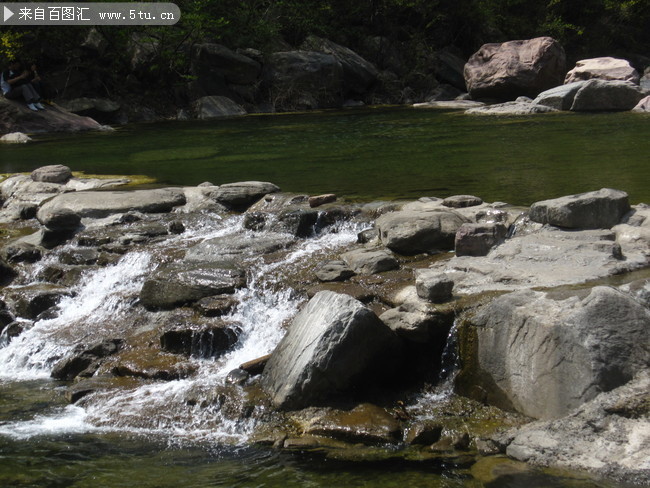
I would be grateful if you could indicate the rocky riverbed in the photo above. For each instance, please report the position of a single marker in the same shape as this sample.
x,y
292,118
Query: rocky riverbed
x,y
426,329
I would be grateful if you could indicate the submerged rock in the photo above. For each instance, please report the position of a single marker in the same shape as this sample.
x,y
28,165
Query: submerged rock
x,y
365,424
320,355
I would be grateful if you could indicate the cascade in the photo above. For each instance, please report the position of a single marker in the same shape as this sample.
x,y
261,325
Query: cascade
x,y
183,409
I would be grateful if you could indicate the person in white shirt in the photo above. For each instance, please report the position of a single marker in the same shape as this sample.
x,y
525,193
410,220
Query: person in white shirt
x,y
15,84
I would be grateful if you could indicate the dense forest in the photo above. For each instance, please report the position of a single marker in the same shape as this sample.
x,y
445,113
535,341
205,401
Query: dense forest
x,y
586,28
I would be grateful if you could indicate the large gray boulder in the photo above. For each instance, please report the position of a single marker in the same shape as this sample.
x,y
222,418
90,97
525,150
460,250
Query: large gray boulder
x,y
600,209
93,204
358,73
304,80
419,231
603,95
234,67
561,97
544,356
507,70
608,436
216,107
176,284
605,68
332,345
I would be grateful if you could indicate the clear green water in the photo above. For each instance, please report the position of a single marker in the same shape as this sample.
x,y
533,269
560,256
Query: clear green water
x,y
372,153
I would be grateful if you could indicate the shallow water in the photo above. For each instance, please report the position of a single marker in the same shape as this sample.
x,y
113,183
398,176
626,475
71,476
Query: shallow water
x,y
372,153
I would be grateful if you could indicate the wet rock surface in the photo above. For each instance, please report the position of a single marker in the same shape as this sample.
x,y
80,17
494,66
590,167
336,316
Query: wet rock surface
x,y
187,292
178,284
319,357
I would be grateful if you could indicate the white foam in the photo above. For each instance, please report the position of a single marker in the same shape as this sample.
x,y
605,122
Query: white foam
x,y
71,420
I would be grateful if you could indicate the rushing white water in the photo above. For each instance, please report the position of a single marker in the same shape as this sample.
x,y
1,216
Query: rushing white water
x,y
190,408
101,295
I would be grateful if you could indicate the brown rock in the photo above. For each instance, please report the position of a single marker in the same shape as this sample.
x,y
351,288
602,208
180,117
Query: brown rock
x,y
507,70
255,366
366,423
318,200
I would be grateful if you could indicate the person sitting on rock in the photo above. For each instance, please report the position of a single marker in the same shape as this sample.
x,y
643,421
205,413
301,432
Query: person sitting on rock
x,y
15,85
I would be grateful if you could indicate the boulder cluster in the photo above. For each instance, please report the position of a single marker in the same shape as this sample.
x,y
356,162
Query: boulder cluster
x,y
549,307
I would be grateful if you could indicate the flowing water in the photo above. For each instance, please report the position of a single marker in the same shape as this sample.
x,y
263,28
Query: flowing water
x,y
149,434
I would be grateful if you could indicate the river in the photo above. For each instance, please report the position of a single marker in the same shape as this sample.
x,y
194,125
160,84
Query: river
x,y
372,153
149,435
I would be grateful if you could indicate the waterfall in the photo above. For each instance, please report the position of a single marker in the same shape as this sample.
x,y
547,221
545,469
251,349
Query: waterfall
x,y
443,390
189,409
101,298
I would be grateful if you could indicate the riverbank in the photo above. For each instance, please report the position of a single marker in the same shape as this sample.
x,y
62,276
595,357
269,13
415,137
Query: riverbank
x,y
531,76
151,298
